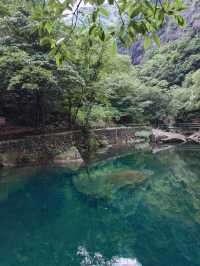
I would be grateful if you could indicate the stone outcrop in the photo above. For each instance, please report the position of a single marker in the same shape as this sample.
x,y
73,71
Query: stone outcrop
x,y
160,136
195,138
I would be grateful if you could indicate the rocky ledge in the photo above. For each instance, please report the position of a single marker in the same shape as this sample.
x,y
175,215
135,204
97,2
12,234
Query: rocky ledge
x,y
160,136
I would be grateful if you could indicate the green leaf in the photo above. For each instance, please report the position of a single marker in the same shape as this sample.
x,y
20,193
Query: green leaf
x,y
58,58
156,40
92,28
147,42
104,11
94,15
133,11
102,34
122,6
99,2
114,48
53,43
181,21
3,10
45,40
150,6
131,32
48,27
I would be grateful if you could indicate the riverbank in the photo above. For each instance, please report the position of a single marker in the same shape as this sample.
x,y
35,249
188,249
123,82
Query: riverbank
x,y
68,148
74,148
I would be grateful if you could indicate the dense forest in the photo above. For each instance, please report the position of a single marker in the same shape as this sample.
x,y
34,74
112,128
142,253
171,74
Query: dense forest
x,y
89,83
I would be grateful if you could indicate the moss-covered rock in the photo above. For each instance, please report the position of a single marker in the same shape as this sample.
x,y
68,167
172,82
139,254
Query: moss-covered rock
x,y
11,159
70,158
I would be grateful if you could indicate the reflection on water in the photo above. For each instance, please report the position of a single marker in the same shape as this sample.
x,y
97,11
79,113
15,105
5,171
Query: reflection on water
x,y
140,209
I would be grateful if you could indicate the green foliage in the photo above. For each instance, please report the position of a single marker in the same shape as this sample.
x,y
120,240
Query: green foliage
x,y
174,61
136,19
51,69
101,116
186,100
135,100
11,60
178,66
33,78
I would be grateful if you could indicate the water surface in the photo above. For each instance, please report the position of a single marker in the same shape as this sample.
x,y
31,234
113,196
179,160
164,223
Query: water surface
x,y
142,209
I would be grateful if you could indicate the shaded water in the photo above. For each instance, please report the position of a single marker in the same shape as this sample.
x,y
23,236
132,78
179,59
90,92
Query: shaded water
x,y
142,209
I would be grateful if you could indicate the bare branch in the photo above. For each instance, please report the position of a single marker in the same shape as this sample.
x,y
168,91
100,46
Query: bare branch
x,y
119,11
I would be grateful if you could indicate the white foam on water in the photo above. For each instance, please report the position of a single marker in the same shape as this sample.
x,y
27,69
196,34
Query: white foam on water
x,y
98,259
126,262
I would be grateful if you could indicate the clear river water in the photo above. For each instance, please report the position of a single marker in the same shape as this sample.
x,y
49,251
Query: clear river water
x,y
141,208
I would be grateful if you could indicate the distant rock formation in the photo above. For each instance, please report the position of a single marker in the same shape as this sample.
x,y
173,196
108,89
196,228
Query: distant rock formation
x,y
169,33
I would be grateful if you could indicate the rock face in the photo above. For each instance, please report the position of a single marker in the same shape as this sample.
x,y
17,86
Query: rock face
x,y
70,158
195,138
169,33
160,136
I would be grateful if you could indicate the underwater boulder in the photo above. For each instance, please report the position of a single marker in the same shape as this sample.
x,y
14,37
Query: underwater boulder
x,y
105,183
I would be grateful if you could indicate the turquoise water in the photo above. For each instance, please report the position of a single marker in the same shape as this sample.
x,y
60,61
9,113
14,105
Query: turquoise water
x,y
138,209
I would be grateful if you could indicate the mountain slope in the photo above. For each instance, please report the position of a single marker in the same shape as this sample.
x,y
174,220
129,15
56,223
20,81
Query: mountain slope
x,y
170,32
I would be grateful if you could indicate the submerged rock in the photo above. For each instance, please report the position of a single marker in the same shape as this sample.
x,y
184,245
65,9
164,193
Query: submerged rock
x,y
106,182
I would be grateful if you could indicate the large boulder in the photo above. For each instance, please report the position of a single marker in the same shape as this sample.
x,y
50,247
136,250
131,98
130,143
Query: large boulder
x,y
160,136
70,158
195,137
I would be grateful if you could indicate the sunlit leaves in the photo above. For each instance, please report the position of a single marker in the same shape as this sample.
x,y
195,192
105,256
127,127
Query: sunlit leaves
x,y
114,48
49,27
134,10
104,11
136,19
3,10
180,20
156,40
147,42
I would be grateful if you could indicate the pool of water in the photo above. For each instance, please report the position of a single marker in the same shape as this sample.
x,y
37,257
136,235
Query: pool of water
x,y
137,209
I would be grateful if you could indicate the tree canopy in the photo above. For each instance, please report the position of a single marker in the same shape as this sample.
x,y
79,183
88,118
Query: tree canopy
x,y
58,65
